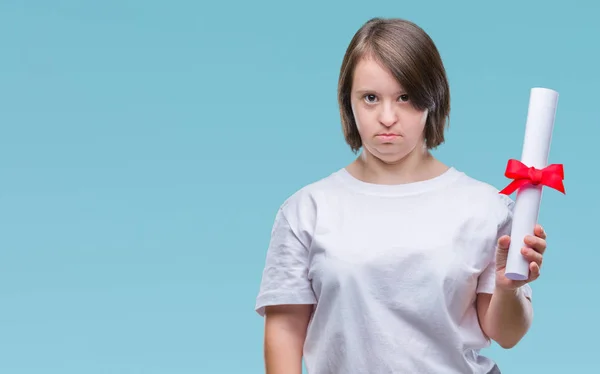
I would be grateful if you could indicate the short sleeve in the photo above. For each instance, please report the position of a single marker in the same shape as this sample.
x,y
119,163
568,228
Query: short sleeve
x,y
285,275
487,279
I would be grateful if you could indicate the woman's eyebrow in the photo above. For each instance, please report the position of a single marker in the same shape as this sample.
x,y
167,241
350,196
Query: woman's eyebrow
x,y
367,90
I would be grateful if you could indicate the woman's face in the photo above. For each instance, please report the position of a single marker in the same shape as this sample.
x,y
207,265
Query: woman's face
x,y
389,125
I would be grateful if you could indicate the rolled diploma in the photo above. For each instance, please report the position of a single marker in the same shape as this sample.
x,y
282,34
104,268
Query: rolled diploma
x,y
536,146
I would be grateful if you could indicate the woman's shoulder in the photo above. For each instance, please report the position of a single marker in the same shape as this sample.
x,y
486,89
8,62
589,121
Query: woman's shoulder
x,y
306,198
483,194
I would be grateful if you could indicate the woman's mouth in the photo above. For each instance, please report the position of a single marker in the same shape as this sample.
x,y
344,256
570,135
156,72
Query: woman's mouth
x,y
387,136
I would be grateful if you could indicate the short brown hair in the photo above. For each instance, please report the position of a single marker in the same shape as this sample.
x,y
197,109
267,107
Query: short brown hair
x,y
413,59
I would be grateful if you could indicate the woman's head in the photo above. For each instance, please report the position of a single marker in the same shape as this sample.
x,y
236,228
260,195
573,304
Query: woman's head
x,y
392,81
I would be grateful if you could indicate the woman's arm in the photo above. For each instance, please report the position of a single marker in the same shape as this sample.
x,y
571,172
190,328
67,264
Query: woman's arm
x,y
505,316
285,332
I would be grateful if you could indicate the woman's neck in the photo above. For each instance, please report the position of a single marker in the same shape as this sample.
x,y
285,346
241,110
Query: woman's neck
x,y
418,165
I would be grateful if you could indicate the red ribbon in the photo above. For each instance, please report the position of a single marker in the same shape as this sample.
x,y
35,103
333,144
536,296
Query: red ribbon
x,y
551,176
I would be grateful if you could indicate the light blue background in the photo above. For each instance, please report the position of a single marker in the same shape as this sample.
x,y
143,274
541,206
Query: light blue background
x,y
145,147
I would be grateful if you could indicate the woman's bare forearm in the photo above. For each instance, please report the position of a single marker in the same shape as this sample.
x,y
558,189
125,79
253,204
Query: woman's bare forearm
x,y
508,317
283,351
285,332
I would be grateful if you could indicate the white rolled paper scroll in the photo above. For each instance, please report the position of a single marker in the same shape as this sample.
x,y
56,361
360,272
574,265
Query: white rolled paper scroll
x,y
536,147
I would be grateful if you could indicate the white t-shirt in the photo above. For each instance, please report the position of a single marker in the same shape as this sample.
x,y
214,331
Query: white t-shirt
x,y
392,270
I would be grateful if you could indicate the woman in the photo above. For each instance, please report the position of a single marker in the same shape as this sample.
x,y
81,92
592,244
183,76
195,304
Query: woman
x,y
394,263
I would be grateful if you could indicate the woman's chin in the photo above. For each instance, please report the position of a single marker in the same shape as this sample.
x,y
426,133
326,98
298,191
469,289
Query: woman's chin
x,y
390,154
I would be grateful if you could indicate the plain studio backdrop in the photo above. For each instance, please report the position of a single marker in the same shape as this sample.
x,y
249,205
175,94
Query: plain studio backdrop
x,y
145,147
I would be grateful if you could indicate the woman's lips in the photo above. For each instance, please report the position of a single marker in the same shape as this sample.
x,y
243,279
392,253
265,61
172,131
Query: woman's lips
x,y
387,136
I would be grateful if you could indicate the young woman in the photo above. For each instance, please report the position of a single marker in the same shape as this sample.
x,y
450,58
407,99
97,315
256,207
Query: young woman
x,y
394,263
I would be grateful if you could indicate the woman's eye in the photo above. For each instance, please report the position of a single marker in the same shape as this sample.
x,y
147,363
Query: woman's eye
x,y
370,98
404,97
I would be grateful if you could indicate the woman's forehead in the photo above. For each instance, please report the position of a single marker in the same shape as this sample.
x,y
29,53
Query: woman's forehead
x,y
371,75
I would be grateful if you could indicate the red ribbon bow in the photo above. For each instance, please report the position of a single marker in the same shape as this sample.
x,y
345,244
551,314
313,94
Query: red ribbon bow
x,y
551,176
